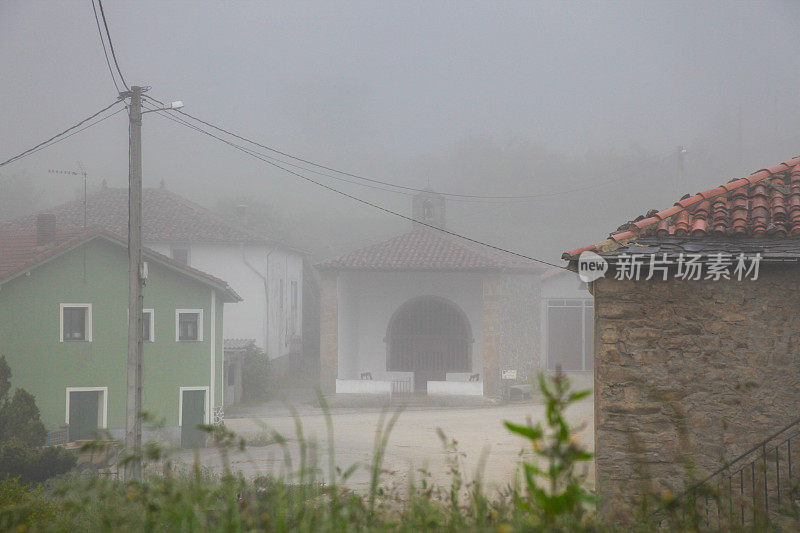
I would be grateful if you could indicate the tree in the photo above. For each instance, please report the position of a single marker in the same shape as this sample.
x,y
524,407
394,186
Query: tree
x,y
23,435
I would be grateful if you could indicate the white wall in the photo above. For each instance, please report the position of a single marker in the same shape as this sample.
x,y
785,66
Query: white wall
x,y
367,301
561,285
257,317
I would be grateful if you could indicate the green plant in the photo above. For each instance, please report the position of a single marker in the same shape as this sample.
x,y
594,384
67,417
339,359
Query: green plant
x,y
257,375
562,500
22,436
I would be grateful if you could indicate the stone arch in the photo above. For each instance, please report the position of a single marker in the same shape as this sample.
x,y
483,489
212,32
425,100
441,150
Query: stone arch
x,y
430,336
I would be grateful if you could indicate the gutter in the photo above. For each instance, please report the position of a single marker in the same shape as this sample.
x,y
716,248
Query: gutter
x,y
265,280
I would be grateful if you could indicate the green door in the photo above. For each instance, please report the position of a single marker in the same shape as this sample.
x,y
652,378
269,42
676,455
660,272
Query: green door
x,y
193,413
84,411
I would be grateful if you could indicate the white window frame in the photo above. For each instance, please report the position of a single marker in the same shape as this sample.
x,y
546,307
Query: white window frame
x,y
206,416
152,323
104,402
87,334
199,324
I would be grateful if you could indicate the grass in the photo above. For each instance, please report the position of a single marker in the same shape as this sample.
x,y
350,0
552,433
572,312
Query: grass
x,y
311,493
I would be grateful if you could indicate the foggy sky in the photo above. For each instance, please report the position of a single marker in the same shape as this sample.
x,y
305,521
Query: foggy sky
x,y
394,91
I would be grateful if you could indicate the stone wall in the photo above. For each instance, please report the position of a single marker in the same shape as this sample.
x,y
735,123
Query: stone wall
x,y
520,325
690,367
329,332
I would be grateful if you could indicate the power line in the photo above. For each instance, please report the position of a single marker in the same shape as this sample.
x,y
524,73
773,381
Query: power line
x,y
464,197
56,136
360,200
86,127
105,51
111,45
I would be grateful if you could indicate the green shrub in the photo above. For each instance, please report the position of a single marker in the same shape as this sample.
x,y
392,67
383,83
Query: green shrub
x,y
22,436
257,378
33,464
554,493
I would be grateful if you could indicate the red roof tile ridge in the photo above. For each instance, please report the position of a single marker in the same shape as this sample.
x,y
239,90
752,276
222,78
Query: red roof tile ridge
x,y
619,238
426,249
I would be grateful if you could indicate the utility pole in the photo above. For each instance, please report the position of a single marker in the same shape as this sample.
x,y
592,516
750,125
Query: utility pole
x,y
681,172
133,406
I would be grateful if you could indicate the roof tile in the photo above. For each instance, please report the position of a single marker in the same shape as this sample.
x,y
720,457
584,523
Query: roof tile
x,y
428,250
166,216
765,203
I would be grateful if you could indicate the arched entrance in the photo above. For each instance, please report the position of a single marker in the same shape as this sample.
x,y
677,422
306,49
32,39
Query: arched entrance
x,y
429,336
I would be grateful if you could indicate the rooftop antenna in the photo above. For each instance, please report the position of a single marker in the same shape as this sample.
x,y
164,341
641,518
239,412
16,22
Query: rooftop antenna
x,y
80,172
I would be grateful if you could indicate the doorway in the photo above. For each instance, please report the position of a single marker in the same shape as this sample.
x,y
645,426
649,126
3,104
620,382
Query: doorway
x,y
85,412
193,414
429,336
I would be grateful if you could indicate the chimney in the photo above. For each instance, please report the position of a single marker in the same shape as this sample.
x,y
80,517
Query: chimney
x,y
45,229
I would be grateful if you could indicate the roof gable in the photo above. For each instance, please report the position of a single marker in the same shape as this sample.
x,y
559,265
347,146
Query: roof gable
x,y
763,207
427,250
19,253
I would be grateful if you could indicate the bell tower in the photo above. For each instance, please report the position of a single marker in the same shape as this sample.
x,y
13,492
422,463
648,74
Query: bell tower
x,y
428,207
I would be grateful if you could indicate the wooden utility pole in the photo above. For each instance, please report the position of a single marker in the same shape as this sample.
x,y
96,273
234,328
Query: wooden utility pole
x,y
133,406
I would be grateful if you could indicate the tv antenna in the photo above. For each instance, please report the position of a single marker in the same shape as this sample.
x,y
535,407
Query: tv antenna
x,y
80,172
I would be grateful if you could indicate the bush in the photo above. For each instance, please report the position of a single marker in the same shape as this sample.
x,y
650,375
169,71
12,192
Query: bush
x,y
257,378
33,465
22,436
19,419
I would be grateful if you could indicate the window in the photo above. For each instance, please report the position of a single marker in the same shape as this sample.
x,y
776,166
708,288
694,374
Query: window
x,y
181,254
570,334
148,335
76,322
188,324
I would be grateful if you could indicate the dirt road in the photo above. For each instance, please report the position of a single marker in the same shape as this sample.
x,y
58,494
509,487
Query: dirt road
x,y
413,444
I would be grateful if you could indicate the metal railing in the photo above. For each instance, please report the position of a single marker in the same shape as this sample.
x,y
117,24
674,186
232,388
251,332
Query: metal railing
x,y
401,386
758,485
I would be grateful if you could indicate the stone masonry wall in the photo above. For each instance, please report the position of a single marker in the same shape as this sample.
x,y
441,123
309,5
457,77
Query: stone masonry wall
x,y
697,367
520,325
329,332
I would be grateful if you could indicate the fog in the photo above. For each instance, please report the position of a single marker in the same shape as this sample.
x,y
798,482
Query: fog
x,y
533,127
487,99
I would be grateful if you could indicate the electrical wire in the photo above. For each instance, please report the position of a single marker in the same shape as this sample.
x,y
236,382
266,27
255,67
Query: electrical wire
x,y
57,135
105,51
86,127
356,198
111,45
404,187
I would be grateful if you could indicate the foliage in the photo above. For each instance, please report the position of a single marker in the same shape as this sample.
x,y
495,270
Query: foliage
x,y
22,436
33,465
562,500
19,417
257,375
308,500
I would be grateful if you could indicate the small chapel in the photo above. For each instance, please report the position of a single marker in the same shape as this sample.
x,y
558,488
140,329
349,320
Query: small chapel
x,y
428,313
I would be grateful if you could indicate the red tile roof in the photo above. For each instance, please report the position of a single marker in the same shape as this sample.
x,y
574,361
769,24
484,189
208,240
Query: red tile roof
x,y
19,252
427,250
166,217
764,204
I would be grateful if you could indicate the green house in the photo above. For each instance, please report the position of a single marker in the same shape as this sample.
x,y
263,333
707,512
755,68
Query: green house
x,y
63,330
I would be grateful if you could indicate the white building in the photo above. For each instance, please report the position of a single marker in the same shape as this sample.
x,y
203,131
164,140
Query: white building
x,y
280,307
427,312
